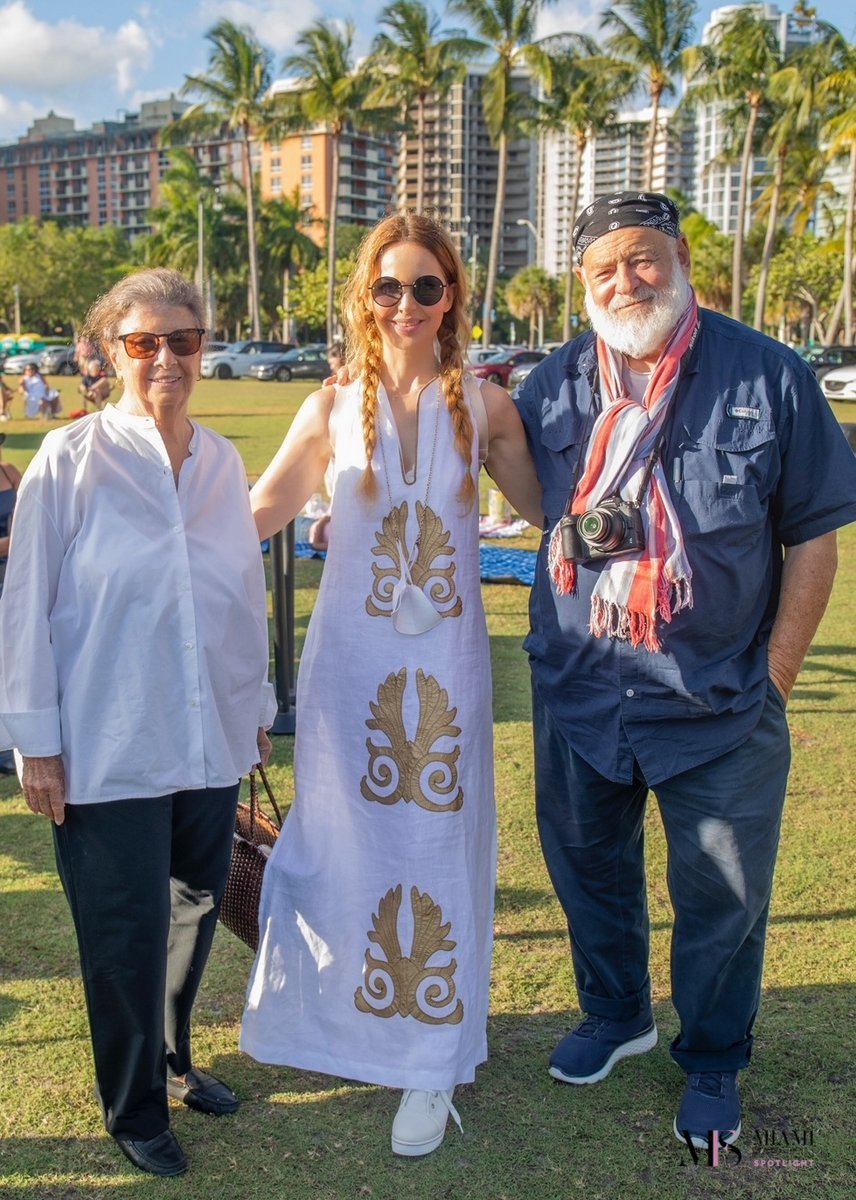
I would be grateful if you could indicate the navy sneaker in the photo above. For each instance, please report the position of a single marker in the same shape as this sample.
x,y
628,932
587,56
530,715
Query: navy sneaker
x,y
588,1053
711,1105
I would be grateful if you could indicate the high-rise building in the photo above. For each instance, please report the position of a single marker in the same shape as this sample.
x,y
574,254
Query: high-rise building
x,y
108,174
302,163
717,167
612,161
461,169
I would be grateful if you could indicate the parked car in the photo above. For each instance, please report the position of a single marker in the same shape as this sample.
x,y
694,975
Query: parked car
x,y
58,360
477,354
839,383
15,363
823,359
308,362
235,361
519,374
499,368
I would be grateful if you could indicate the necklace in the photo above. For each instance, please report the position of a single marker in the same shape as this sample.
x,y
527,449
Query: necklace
x,y
412,611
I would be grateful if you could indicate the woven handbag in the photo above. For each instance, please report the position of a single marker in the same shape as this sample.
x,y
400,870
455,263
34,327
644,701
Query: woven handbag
x,y
255,834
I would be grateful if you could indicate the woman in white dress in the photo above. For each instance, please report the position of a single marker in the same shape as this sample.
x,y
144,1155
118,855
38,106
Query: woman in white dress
x,y
376,921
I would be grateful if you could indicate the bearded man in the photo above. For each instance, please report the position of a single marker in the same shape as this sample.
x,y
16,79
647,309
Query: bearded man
x,y
693,478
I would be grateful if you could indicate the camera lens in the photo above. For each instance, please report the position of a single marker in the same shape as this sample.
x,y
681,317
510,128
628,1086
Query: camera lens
x,y
600,529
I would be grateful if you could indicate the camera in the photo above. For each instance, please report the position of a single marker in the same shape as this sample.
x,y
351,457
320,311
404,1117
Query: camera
x,y
612,527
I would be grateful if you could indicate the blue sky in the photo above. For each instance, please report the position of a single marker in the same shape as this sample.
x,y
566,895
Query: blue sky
x,y
92,59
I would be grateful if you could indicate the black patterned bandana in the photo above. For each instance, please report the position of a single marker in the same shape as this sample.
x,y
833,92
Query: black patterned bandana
x,y
620,210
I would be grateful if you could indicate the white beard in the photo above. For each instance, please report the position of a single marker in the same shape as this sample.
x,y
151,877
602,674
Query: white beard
x,y
644,331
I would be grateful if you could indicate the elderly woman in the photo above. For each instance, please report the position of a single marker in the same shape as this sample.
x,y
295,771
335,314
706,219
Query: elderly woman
x,y
133,681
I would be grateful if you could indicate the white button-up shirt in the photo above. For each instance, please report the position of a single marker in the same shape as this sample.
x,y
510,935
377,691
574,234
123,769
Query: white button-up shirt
x,y
133,621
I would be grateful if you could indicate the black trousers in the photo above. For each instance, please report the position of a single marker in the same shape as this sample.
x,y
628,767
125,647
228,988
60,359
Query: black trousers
x,y
144,880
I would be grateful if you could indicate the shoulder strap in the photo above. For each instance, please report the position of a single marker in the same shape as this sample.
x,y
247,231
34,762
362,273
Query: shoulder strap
x,y
479,416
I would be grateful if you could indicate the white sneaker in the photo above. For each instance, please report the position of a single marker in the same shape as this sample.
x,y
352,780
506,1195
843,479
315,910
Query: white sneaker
x,y
420,1123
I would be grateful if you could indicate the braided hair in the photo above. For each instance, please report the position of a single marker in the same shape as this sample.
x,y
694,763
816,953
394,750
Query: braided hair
x,y
365,346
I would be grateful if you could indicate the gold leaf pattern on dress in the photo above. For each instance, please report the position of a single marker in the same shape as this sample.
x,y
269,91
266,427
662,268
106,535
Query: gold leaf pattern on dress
x,y
413,770
432,543
406,986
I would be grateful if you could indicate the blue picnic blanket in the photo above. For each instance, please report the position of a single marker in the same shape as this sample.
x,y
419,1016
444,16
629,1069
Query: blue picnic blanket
x,y
497,564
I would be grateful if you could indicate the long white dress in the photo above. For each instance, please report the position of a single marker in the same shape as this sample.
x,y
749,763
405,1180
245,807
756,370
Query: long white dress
x,y
376,923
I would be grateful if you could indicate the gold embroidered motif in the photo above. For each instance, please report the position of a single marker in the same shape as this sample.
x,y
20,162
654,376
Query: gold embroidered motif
x,y
409,987
432,543
413,770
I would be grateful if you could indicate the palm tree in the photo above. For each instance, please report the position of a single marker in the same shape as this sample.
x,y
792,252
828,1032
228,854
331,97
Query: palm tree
x,y
532,293
839,88
235,93
506,29
188,196
587,88
330,90
735,71
416,62
793,89
652,35
286,246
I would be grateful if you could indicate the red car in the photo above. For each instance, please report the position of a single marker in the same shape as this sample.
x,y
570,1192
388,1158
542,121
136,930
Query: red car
x,y
498,368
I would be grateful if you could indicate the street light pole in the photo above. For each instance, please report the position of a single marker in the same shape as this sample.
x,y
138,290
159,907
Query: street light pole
x,y
474,263
537,236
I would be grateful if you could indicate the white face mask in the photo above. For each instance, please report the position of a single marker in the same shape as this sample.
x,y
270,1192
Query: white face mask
x,y
641,334
412,611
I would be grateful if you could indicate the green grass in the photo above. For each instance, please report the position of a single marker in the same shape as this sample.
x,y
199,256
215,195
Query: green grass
x,y
309,1137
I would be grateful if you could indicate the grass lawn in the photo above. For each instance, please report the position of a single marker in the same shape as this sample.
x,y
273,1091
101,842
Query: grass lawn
x,y
309,1137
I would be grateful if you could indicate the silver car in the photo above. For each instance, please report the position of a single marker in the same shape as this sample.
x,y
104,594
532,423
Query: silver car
x,y
236,360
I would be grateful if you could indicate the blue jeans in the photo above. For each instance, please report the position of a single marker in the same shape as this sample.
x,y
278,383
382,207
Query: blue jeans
x,y
722,822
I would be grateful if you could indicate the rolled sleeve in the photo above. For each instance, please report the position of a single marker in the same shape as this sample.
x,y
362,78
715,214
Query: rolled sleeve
x,y
267,711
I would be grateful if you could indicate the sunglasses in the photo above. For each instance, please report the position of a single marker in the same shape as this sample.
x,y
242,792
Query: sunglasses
x,y
146,345
427,290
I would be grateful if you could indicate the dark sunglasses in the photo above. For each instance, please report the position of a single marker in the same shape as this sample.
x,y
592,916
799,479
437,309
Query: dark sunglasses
x,y
427,290
146,345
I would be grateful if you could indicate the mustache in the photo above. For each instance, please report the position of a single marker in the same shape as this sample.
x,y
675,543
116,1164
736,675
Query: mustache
x,y
641,293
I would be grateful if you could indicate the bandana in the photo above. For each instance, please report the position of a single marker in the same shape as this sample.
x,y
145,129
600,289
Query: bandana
x,y
622,210
634,589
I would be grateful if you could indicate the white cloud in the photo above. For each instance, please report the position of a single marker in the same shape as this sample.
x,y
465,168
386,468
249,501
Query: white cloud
x,y
275,24
15,117
571,16
52,61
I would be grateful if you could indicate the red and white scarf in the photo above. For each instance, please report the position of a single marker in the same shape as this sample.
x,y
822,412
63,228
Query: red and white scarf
x,y
633,590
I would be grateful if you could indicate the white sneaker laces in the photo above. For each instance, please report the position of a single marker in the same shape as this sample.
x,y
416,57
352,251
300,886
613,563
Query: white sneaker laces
x,y
446,1098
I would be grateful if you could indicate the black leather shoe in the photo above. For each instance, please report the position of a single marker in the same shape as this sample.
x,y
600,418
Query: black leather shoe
x,y
203,1092
160,1155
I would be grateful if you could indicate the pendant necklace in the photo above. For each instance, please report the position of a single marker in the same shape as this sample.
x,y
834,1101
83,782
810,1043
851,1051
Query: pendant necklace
x,y
412,611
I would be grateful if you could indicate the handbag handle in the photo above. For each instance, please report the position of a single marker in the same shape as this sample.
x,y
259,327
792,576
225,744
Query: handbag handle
x,y
254,797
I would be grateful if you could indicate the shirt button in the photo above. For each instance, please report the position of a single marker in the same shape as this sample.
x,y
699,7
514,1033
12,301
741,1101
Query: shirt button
x,y
176,528
630,693
194,703
188,645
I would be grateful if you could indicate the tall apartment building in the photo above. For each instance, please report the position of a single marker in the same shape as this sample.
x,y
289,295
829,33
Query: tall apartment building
x,y
303,162
461,174
612,161
108,174
717,183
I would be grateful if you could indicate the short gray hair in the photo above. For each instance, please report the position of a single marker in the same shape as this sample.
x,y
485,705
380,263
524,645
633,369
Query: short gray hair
x,y
153,285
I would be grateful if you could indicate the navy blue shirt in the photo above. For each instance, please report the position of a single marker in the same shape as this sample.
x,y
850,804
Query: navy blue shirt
x,y
755,461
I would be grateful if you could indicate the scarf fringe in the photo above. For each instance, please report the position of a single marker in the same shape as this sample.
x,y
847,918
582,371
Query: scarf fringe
x,y
562,570
610,619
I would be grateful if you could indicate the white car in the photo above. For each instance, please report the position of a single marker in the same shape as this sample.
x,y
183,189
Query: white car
x,y
235,361
839,384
